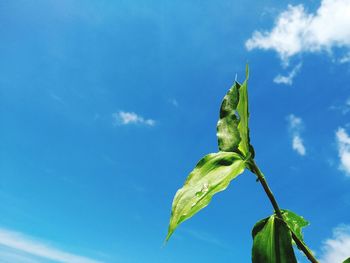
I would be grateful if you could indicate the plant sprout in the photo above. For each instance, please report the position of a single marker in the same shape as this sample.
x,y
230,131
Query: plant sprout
x,y
274,236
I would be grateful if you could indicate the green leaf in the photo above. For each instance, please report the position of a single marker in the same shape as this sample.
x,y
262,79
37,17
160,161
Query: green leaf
x,y
227,127
242,109
272,242
211,175
295,222
232,127
347,260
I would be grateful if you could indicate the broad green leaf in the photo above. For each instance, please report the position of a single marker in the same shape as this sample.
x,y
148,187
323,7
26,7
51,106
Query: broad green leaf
x,y
347,260
272,242
295,222
227,127
211,175
232,127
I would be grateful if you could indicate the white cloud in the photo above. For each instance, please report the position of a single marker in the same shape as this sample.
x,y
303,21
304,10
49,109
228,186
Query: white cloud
x,y
343,141
287,80
295,123
125,118
298,145
26,249
295,126
337,248
9,255
298,31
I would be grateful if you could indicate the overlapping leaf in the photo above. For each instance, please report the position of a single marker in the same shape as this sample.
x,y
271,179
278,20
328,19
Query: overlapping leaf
x,y
211,175
295,222
242,109
232,127
272,242
227,127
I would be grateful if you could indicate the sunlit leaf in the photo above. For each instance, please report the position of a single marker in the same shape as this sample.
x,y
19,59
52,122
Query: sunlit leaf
x,y
242,110
347,260
295,222
211,175
272,242
232,127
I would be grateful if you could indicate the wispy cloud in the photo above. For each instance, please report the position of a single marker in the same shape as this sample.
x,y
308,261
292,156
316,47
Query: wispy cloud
x,y
25,249
174,102
207,238
345,58
337,248
296,126
9,255
297,31
343,142
287,80
57,98
126,118
344,108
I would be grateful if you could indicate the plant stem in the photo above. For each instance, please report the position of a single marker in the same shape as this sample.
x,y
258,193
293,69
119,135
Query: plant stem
x,y
255,169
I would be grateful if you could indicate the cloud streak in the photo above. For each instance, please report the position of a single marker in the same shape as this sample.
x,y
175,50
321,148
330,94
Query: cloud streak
x,y
25,249
295,126
343,142
287,80
127,118
343,108
297,31
207,238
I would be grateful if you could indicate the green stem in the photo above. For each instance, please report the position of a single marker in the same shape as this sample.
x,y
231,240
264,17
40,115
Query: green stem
x,y
255,169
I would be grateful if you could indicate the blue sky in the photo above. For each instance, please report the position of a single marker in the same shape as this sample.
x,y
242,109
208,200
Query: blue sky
x,y
106,106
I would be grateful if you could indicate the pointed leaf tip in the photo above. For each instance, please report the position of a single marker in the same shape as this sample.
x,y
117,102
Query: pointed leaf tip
x,y
247,71
232,127
212,174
